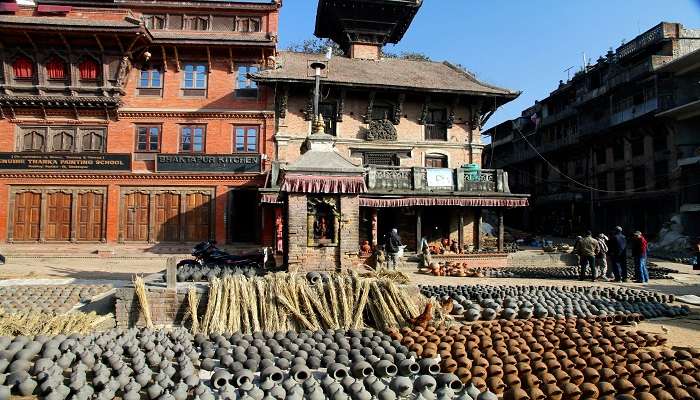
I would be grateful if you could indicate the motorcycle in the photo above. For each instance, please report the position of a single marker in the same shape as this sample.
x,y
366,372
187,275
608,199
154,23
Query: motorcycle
x,y
210,262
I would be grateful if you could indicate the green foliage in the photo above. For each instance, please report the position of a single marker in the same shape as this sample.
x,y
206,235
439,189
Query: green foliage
x,y
407,55
316,46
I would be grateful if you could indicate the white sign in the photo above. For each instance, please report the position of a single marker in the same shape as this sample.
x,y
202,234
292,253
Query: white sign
x,y
440,177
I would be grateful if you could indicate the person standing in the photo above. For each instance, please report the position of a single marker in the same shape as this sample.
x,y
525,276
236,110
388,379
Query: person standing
x,y
639,252
618,255
587,249
602,256
392,247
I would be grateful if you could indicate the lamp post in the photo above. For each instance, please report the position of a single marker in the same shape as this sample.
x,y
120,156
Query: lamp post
x,y
317,66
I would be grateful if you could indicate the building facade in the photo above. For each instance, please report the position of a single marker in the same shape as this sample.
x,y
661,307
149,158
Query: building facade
x,y
400,148
134,121
598,151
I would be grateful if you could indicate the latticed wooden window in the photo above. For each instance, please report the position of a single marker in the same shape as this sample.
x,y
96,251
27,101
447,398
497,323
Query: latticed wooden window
x,y
88,70
23,68
33,141
380,158
56,69
63,141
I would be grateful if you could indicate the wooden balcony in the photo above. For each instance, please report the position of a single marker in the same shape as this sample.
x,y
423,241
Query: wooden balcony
x,y
383,179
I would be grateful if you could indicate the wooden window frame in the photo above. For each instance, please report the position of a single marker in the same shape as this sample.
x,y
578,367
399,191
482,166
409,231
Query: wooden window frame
x,y
48,65
81,72
148,128
245,139
247,19
432,124
194,91
436,156
150,89
152,18
85,132
193,127
187,22
34,132
64,132
32,68
250,85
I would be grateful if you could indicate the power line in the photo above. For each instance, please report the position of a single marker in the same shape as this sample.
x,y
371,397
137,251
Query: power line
x,y
585,186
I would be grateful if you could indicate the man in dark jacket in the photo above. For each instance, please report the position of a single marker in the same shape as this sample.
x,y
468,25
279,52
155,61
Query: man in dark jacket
x,y
618,255
392,248
587,249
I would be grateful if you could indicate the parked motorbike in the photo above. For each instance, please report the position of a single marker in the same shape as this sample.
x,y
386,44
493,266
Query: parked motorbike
x,y
210,262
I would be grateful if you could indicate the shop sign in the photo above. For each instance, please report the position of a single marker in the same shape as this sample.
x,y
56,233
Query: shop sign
x,y
440,177
66,161
235,163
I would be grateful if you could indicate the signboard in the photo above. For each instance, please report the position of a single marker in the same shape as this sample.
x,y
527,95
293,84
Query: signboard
x,y
208,163
440,177
66,161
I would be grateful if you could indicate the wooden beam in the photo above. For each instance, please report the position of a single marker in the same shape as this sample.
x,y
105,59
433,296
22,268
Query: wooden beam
x,y
119,42
231,64
165,58
65,42
99,43
177,60
208,60
132,44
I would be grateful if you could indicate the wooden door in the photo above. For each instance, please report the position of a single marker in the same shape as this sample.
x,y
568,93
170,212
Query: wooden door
x,y
136,214
167,217
58,216
26,221
90,213
197,217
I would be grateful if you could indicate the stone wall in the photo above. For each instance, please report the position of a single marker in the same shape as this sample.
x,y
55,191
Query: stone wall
x,y
302,257
168,307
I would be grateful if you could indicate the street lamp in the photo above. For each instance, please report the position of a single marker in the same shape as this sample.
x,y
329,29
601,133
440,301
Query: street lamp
x,y
318,67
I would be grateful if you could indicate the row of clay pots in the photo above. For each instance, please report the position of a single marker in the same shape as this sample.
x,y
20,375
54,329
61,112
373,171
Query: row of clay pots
x,y
558,359
565,272
140,363
202,273
487,302
47,298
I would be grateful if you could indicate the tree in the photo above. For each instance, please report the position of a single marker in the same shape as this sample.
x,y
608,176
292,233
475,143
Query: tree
x,y
407,55
316,46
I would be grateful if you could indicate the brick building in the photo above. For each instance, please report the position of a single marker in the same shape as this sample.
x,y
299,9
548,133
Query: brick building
x,y
610,142
401,144
134,121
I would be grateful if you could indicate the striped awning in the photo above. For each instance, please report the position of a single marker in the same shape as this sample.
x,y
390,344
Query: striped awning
x,y
338,184
443,201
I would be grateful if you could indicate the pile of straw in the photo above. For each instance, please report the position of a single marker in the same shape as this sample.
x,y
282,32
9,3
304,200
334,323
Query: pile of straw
x,y
36,323
396,276
279,302
141,294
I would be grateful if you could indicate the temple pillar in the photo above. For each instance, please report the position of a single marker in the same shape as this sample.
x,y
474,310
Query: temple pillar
x,y
501,231
374,215
477,229
419,229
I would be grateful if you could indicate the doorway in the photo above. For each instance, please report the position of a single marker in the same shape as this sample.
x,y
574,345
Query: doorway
x,y
244,214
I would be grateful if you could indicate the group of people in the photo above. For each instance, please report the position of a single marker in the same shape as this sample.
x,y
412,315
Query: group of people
x,y
593,254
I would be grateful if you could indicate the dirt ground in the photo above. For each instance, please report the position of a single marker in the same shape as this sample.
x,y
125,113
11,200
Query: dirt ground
x,y
119,271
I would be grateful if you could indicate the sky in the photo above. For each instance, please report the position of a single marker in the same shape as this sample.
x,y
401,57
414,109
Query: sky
x,y
523,45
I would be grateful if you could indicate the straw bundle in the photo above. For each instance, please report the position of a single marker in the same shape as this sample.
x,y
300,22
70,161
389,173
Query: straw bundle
x,y
279,302
34,323
140,288
193,303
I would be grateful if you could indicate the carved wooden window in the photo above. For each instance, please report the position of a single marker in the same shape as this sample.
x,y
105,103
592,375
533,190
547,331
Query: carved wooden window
x,y
88,70
382,111
154,21
33,140
56,69
436,161
192,138
381,158
246,139
23,68
248,24
330,114
196,23
246,87
436,124
148,138
93,141
63,141
150,82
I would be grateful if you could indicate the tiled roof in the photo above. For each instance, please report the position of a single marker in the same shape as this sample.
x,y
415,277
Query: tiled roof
x,y
388,72
173,36
48,23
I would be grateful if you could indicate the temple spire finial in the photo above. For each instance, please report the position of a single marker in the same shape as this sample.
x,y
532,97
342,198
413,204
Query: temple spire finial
x,y
319,125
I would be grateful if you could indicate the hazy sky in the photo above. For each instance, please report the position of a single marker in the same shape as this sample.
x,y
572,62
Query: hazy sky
x,y
523,45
